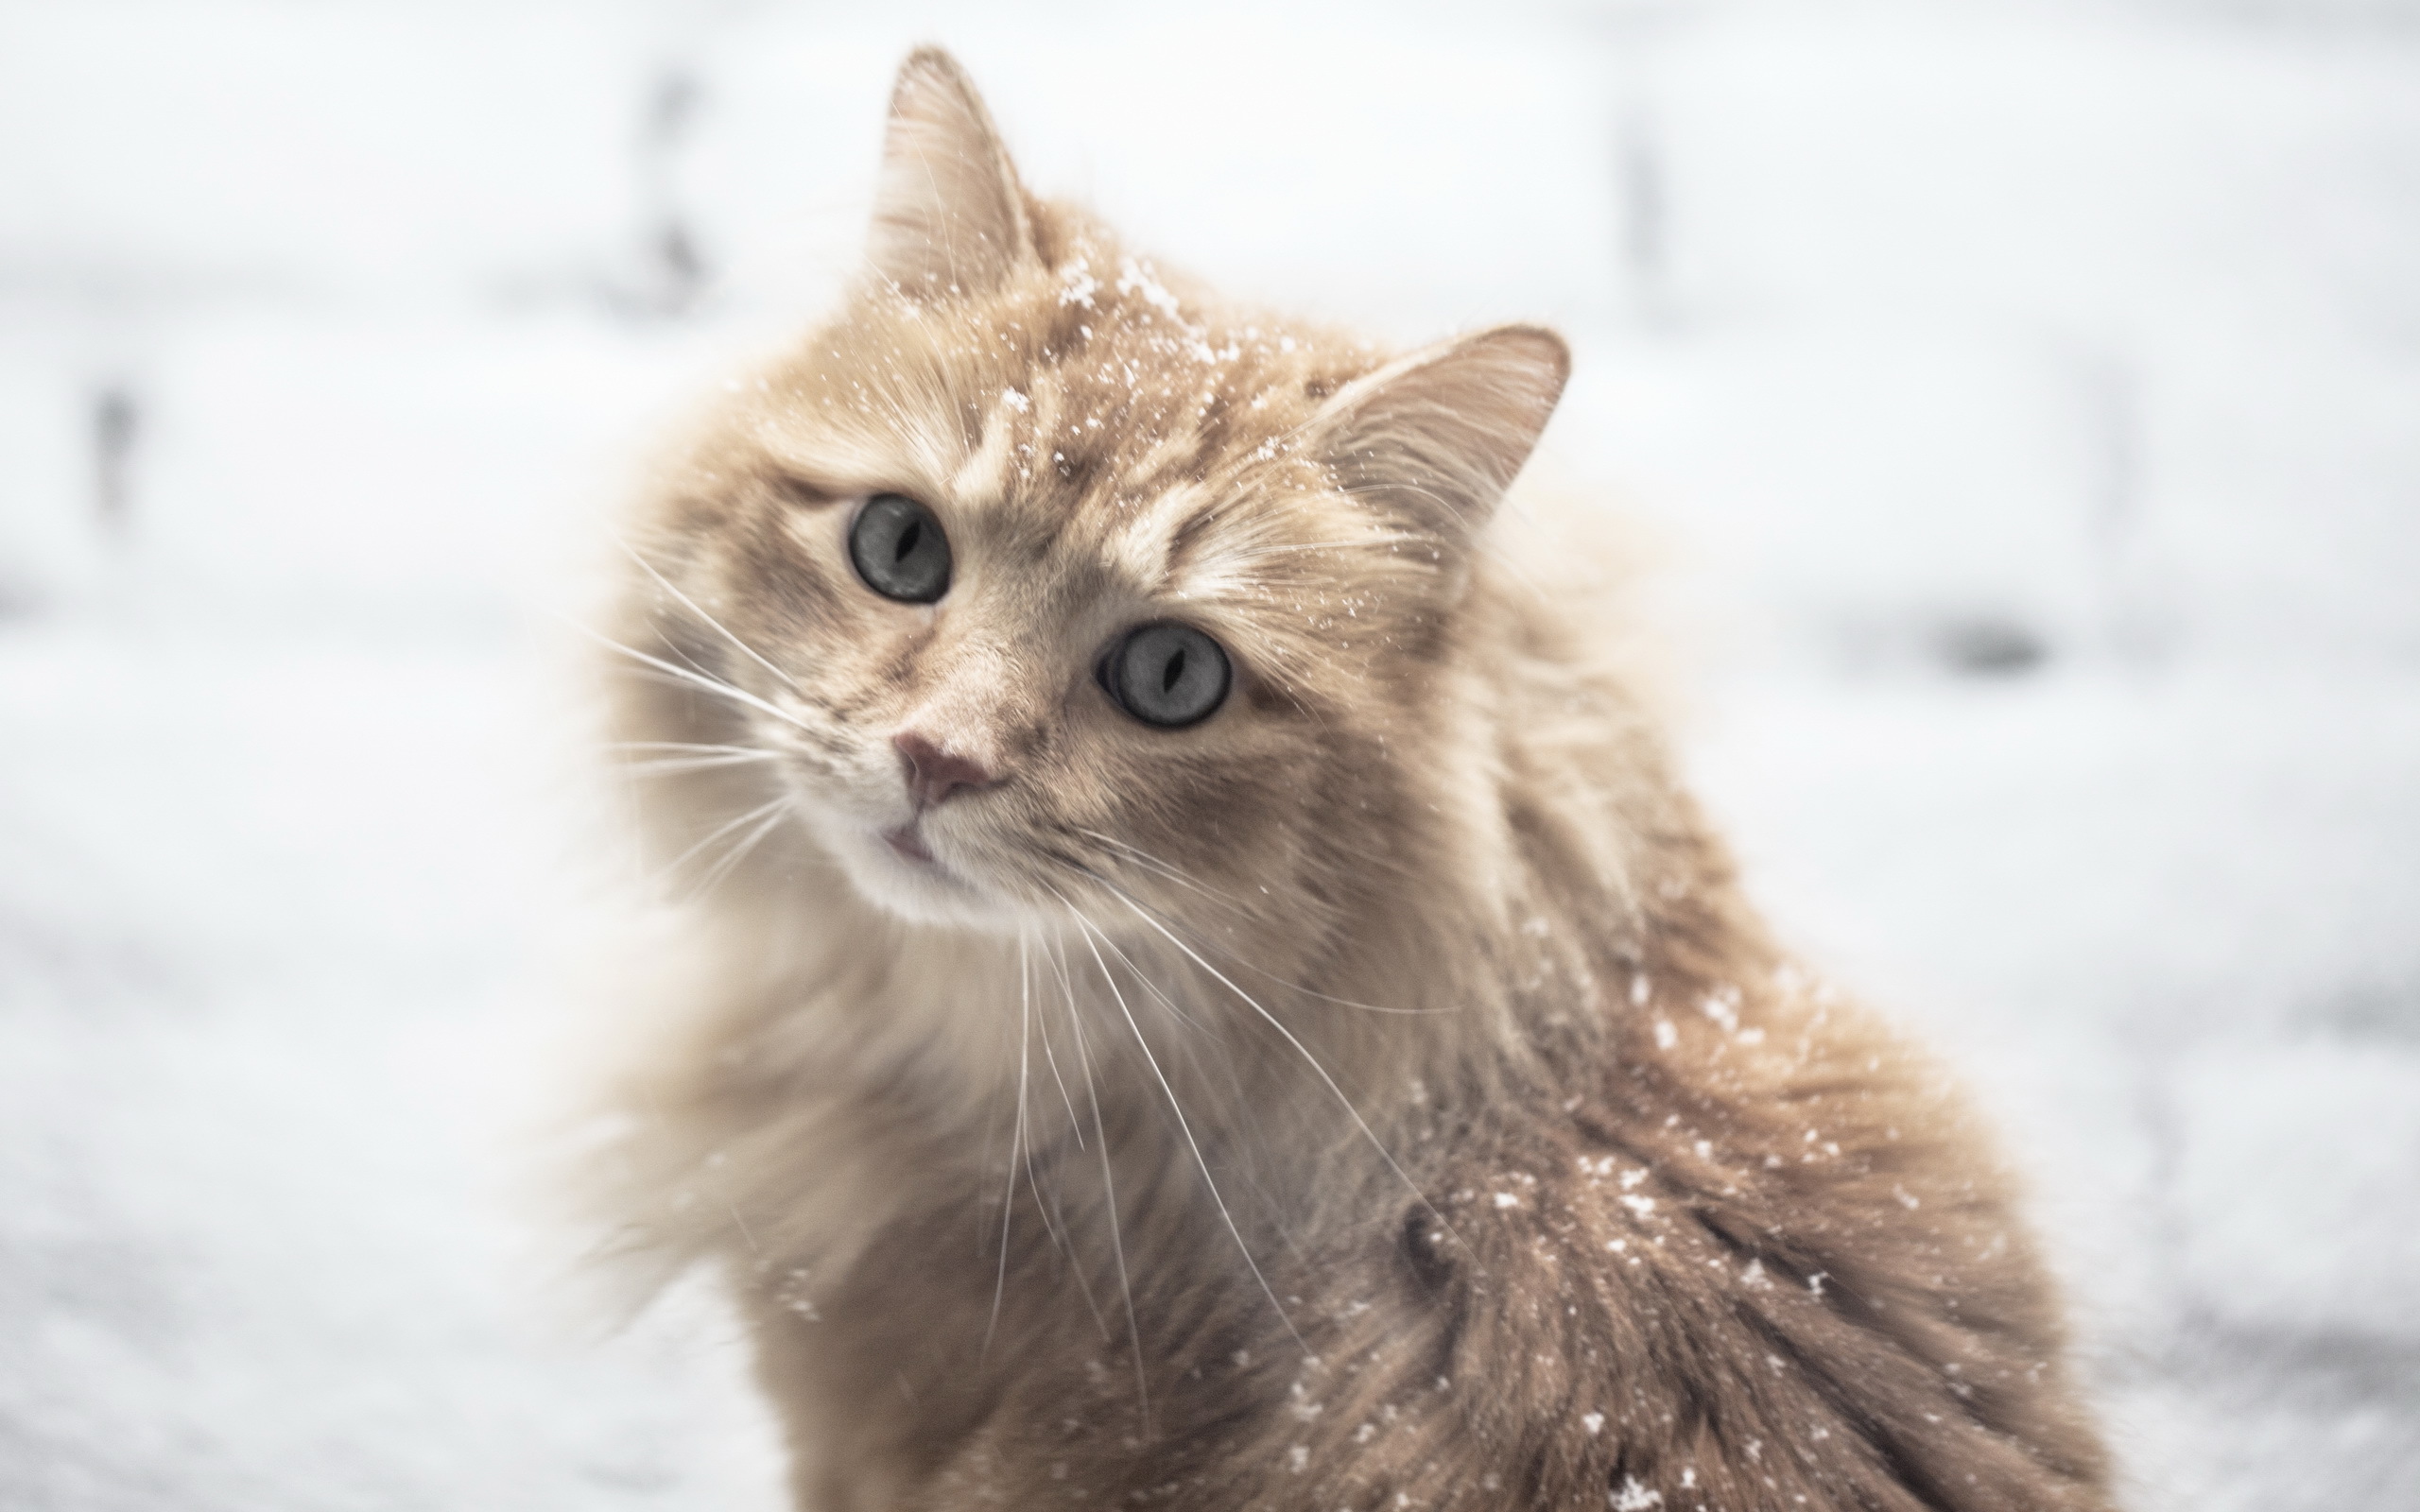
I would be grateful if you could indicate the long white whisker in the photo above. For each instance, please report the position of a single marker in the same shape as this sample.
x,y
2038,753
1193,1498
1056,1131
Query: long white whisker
x,y
1153,988
1168,869
1009,1198
1042,1025
1043,1204
725,828
1174,1107
1226,1064
1075,1266
1375,1143
687,745
673,766
1109,1196
691,676
1178,875
666,583
732,858
1179,1014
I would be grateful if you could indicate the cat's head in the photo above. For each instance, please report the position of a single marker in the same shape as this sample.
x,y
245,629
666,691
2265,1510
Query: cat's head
x,y
1046,578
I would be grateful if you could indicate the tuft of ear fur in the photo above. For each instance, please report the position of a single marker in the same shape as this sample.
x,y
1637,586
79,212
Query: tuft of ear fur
x,y
1434,439
948,215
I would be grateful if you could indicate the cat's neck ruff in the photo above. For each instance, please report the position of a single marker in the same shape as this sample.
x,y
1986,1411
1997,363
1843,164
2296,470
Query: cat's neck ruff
x,y
951,1020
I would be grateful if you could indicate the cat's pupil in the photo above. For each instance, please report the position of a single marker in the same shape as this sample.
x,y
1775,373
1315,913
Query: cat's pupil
x,y
1176,670
908,542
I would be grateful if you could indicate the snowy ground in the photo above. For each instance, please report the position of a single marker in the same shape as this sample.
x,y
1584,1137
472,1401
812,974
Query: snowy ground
x,y
2032,392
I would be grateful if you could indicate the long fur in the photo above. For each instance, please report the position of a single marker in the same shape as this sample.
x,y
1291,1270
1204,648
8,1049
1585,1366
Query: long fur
x,y
1378,1095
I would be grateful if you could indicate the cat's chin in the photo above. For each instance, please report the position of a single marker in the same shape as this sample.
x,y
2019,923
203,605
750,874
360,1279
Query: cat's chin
x,y
896,873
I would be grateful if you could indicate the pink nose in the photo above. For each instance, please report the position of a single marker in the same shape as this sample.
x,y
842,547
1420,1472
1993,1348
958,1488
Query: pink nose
x,y
934,774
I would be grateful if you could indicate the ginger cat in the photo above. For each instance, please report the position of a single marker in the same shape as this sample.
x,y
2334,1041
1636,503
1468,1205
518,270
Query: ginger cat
x,y
1200,988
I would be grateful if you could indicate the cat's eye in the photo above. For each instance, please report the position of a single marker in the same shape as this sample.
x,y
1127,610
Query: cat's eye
x,y
899,549
1166,673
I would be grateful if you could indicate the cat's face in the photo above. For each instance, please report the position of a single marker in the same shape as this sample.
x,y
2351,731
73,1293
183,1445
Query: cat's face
x,y
1049,586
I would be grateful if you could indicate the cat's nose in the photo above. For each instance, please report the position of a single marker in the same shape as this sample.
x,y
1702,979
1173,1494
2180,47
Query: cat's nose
x,y
934,774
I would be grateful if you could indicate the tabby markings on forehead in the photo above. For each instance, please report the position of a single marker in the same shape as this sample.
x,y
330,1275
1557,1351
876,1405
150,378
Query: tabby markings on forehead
x,y
1175,454
987,468
891,449
1146,548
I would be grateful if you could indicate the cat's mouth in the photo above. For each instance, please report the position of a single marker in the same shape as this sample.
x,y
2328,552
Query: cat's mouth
x,y
904,875
907,842
893,862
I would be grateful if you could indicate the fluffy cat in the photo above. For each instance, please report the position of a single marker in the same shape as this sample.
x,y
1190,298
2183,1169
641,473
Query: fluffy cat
x,y
1200,987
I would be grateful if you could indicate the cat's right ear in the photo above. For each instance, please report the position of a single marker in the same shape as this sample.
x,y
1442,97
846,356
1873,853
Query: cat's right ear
x,y
1436,438
949,214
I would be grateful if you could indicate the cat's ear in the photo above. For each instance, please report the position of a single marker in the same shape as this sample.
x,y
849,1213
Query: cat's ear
x,y
948,215
1436,438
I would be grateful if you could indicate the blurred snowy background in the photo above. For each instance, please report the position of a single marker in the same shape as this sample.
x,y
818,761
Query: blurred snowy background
x,y
2032,392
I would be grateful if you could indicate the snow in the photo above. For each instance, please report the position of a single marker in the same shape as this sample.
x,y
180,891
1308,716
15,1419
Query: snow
x,y
2025,391
2258,1181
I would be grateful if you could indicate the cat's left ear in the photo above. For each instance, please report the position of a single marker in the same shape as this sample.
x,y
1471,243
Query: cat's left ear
x,y
1436,438
948,215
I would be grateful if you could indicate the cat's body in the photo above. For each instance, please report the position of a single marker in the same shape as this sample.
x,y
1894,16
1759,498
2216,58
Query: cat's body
x,y
1368,1092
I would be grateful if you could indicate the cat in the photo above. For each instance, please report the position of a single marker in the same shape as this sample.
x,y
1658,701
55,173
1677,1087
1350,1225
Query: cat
x,y
1196,985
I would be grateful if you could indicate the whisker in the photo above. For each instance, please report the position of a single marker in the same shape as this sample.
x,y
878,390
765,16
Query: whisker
x,y
741,849
1083,1287
688,676
1168,869
732,858
1053,1222
1109,1196
1178,875
673,765
1174,1010
1075,1125
686,745
1016,1143
665,583
1041,1202
1272,1021
725,828
1174,1107
1224,1063
1142,979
